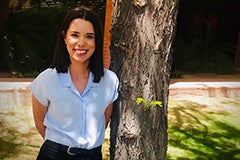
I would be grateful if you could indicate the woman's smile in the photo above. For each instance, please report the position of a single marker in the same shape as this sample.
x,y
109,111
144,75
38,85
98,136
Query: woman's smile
x,y
80,52
80,40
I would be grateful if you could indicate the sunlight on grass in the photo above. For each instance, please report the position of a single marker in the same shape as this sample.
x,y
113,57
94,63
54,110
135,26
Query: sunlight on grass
x,y
19,139
18,135
105,149
199,128
204,128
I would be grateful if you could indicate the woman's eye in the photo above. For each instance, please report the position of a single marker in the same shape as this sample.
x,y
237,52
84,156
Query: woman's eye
x,y
74,35
90,36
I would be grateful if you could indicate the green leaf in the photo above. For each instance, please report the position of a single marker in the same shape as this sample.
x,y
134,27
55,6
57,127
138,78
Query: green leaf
x,y
158,103
148,105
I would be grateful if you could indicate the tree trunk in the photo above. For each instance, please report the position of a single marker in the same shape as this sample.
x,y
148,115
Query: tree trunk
x,y
141,38
4,10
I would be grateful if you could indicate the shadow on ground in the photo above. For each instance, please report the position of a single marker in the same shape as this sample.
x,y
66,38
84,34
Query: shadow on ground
x,y
199,128
204,128
19,139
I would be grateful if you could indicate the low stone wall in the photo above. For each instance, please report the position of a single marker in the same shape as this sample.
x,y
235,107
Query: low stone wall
x,y
14,94
207,89
18,93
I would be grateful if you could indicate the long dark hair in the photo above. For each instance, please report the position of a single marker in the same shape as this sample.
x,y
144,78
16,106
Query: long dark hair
x,y
61,60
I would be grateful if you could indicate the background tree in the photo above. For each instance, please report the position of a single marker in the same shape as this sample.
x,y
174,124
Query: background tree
x,y
3,12
141,39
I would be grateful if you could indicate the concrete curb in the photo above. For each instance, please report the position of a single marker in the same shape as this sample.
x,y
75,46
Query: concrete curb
x,y
13,94
18,94
209,89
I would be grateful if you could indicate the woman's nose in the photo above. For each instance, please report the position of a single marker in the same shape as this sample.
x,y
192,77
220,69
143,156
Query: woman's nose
x,y
81,41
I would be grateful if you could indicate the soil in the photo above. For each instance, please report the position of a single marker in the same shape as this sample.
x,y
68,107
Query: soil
x,y
8,77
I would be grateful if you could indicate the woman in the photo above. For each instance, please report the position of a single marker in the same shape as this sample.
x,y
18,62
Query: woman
x,y
72,101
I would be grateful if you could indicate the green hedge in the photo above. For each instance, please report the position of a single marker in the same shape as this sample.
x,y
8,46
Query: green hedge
x,y
28,39
200,57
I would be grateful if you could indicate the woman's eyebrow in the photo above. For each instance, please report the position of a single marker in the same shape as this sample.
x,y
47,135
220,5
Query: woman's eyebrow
x,y
76,32
91,33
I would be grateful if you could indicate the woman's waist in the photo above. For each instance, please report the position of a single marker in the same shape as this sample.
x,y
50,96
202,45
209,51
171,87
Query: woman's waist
x,y
74,139
74,151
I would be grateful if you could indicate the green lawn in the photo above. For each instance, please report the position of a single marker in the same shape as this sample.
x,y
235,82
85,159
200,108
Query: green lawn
x,y
19,139
199,128
204,128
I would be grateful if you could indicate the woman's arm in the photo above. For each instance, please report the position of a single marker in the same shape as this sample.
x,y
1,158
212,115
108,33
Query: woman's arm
x,y
39,112
108,114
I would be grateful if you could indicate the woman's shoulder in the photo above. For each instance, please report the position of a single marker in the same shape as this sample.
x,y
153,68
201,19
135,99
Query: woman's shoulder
x,y
110,76
48,73
44,80
108,73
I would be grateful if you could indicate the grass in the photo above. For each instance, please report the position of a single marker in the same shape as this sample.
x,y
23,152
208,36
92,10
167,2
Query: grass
x,y
199,128
204,128
19,139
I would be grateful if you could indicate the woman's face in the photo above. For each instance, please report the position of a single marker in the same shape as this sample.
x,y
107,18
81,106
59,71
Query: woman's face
x,y
80,40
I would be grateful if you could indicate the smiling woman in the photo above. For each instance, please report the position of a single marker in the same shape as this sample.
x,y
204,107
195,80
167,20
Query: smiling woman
x,y
72,101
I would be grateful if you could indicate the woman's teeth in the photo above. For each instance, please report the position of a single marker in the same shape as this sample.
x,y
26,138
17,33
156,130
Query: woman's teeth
x,y
80,51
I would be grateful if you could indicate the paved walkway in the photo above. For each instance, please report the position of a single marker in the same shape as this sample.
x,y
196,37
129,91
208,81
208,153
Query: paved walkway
x,y
210,85
196,82
15,91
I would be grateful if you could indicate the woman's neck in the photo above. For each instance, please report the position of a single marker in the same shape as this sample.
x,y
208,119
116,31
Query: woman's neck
x,y
79,75
79,71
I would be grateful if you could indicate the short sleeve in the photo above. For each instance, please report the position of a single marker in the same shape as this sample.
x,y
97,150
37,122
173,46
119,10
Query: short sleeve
x,y
39,87
116,85
112,82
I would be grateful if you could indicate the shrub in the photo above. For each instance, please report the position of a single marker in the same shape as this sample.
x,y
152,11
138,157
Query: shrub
x,y
28,39
198,57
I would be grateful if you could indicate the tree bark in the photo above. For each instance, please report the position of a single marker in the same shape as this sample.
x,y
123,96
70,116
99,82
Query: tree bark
x,y
4,11
141,38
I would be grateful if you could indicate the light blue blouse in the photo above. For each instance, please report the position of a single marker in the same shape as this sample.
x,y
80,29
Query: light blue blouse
x,y
73,119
